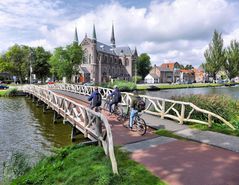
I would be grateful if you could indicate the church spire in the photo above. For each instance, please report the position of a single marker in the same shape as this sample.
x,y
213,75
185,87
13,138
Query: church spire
x,y
112,39
94,33
76,36
135,52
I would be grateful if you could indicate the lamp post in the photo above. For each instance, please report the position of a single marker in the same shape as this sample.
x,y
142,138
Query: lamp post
x,y
31,57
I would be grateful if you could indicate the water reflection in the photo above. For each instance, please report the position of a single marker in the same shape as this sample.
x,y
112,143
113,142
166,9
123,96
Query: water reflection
x,y
230,91
25,128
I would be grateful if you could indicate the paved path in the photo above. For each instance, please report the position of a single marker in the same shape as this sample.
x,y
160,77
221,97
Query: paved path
x,y
207,137
178,162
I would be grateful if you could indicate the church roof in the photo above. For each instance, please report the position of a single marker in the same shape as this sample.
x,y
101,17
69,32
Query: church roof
x,y
123,51
104,48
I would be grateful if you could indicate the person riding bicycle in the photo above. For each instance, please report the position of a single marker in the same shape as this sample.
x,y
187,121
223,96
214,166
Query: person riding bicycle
x,y
95,99
133,107
116,98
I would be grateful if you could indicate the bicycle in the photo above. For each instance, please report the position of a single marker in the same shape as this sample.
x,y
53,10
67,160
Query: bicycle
x,y
138,123
116,109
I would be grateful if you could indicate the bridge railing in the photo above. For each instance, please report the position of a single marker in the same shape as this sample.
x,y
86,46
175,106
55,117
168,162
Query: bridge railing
x,y
92,124
165,108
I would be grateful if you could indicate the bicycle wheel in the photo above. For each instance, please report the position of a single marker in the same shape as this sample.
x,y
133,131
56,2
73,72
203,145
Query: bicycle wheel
x,y
119,112
140,126
106,105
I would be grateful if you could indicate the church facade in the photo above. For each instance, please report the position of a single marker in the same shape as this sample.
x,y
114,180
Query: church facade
x,y
102,62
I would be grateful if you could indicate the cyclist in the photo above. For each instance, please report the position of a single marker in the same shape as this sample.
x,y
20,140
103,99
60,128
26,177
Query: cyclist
x,y
95,99
133,106
116,98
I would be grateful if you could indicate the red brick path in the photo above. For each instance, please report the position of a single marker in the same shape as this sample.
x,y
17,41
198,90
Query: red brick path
x,y
180,162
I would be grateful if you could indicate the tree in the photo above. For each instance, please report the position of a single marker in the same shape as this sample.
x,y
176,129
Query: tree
x,y
189,66
215,55
4,65
143,65
17,57
231,65
64,61
40,64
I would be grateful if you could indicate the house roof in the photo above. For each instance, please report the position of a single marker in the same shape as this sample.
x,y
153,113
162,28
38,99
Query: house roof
x,y
186,71
155,76
169,65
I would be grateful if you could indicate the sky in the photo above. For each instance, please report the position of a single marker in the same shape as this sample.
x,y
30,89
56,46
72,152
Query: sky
x,y
167,30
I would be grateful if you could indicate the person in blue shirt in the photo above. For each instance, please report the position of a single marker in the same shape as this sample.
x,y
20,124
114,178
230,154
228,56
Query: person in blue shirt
x,y
133,107
95,99
116,98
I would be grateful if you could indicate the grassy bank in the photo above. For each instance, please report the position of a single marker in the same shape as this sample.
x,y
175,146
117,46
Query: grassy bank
x,y
3,92
8,92
177,86
224,106
87,165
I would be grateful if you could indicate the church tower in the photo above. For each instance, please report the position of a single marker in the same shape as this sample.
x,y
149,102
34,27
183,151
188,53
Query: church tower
x,y
95,73
112,39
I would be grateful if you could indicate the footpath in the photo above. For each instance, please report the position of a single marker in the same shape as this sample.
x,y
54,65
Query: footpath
x,y
207,158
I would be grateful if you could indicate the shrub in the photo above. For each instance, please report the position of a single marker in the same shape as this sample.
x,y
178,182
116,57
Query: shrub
x,y
223,106
11,92
123,85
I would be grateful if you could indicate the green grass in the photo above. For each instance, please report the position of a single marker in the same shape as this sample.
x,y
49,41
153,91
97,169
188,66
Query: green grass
x,y
87,165
3,92
170,134
220,128
8,92
178,86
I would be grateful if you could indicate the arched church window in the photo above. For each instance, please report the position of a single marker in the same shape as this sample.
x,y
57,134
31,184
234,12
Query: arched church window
x,y
85,56
126,62
89,58
120,62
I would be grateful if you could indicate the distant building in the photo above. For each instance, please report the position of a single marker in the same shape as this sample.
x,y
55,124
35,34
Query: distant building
x,y
152,79
167,72
200,75
102,62
187,76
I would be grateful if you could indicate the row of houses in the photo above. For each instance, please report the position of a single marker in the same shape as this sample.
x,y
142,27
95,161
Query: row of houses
x,y
171,73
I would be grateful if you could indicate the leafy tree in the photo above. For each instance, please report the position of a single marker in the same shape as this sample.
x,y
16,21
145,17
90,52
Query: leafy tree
x,y
143,65
231,65
188,66
17,57
5,66
64,61
215,55
40,64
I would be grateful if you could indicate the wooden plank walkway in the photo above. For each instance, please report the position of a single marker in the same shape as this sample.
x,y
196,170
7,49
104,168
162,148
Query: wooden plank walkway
x,y
176,162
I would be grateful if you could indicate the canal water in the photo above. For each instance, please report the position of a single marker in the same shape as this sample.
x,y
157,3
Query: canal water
x,y
230,91
25,128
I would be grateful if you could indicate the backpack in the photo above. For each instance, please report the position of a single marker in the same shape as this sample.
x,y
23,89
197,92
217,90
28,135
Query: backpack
x,y
117,97
140,105
97,100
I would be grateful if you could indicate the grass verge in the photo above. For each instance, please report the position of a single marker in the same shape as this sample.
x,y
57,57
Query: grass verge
x,y
87,165
170,134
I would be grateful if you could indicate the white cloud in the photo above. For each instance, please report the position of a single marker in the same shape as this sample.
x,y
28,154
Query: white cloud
x,y
176,30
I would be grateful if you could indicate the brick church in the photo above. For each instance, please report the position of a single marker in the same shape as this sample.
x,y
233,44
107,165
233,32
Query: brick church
x,y
102,62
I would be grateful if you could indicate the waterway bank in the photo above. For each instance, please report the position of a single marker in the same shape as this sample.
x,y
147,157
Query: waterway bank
x,y
87,165
26,129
